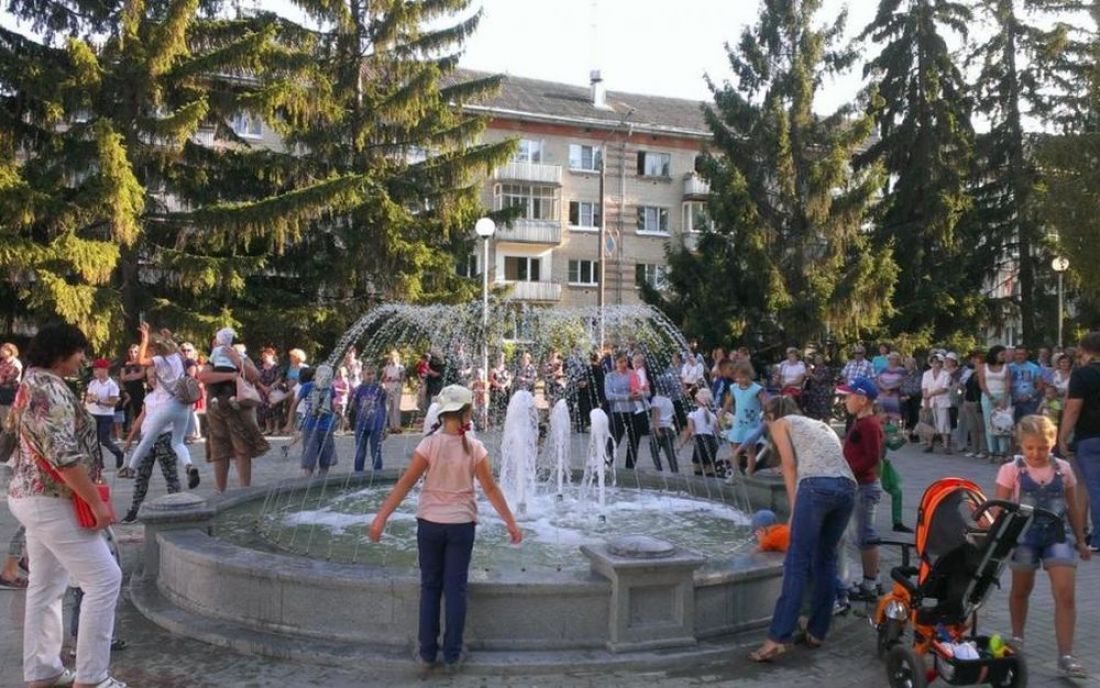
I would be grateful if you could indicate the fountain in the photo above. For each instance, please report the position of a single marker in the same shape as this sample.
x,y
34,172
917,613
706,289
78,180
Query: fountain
x,y
612,563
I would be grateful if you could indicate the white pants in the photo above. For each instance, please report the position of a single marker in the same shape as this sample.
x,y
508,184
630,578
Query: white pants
x,y
393,408
58,549
172,413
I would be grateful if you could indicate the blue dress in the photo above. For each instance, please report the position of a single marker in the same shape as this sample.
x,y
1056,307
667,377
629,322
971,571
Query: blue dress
x,y
747,412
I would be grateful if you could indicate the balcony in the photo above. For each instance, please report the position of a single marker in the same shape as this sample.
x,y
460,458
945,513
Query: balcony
x,y
695,187
531,232
534,291
529,172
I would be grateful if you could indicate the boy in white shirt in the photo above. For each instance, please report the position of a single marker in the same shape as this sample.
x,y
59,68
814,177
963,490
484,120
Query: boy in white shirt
x,y
100,398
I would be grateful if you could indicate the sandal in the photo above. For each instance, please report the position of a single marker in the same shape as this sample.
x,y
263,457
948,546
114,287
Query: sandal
x,y
17,583
804,637
766,654
1071,668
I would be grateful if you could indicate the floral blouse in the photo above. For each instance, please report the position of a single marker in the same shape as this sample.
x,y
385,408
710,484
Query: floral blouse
x,y
53,424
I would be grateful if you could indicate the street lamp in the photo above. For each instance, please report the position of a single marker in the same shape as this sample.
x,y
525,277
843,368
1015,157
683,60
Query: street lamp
x,y
1060,265
485,228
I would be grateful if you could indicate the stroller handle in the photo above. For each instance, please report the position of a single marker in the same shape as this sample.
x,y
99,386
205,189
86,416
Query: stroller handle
x,y
1027,509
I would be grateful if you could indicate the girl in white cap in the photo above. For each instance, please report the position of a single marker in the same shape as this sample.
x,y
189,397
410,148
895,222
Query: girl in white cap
x,y
449,459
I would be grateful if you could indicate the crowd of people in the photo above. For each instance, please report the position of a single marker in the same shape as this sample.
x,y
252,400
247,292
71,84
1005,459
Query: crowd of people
x,y
1000,405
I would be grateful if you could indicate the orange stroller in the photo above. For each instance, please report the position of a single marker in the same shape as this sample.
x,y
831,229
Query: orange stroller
x,y
963,542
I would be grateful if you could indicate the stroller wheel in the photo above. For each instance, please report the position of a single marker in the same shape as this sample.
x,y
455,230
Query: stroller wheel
x,y
888,634
905,668
1015,676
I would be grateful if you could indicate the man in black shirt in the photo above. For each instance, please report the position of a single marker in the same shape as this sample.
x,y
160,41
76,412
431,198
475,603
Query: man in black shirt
x,y
1081,419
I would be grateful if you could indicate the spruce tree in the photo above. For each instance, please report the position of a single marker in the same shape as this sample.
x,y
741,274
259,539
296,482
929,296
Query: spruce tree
x,y
391,74
919,100
124,190
1028,68
798,262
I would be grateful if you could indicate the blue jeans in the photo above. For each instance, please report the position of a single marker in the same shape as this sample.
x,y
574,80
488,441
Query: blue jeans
x,y
363,435
1088,460
318,448
822,509
444,550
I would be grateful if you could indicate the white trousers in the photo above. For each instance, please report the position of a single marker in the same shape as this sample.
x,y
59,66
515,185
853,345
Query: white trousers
x,y
58,549
172,413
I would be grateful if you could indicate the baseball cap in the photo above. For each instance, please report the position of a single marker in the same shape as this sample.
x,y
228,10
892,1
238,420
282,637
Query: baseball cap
x,y
763,519
860,385
101,363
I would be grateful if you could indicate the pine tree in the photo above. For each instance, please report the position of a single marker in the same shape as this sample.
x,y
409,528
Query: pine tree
x,y
919,100
110,207
1069,162
1027,71
784,194
390,66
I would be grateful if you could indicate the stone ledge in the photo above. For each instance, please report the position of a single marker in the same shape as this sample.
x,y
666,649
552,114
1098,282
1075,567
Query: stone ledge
x,y
355,655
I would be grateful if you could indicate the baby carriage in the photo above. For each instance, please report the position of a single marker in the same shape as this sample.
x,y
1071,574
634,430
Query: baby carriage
x,y
962,549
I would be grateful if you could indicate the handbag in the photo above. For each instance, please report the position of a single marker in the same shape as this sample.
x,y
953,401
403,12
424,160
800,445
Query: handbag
x,y
247,394
85,517
187,390
1001,422
925,428
277,396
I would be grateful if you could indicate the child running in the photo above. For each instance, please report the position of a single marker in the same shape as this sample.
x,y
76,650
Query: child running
x,y
446,517
1040,480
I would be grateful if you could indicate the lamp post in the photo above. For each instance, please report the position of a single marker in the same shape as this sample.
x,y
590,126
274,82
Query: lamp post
x,y
485,228
1060,265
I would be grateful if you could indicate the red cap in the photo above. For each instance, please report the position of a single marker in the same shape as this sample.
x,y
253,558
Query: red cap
x,y
101,363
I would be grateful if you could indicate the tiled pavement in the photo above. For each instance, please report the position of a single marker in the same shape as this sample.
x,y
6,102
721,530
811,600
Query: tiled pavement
x,y
155,658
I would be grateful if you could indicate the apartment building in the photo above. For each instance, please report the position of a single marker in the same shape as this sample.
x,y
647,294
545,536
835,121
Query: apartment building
x,y
648,147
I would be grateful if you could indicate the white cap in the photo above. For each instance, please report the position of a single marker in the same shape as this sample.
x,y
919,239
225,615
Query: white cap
x,y
454,398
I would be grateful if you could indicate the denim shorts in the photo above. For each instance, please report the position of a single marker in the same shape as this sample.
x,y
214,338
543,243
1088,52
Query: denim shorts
x,y
867,499
1028,558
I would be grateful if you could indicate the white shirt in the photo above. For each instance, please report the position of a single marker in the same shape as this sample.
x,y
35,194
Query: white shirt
x,y
169,369
790,372
931,383
102,390
703,421
392,375
692,373
664,405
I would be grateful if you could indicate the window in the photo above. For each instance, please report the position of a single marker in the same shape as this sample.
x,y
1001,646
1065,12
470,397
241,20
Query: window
x,y
534,201
584,272
695,217
468,266
652,219
654,164
586,158
655,276
247,125
521,269
529,150
584,214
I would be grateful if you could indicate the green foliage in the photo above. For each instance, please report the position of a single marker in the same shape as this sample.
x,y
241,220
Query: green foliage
x,y
919,100
788,258
1029,69
110,207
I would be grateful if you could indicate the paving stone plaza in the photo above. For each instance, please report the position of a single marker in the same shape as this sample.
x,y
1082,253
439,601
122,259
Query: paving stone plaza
x,y
155,657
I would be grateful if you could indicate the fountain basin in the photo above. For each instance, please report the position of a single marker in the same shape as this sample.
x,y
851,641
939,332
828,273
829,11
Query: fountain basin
x,y
282,605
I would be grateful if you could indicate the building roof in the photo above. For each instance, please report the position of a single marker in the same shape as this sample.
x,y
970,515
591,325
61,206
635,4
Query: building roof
x,y
551,101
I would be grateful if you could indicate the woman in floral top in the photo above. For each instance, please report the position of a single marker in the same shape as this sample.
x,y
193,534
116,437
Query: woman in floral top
x,y
55,429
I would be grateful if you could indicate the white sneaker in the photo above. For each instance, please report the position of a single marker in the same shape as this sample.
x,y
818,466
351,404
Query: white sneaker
x,y
67,678
110,682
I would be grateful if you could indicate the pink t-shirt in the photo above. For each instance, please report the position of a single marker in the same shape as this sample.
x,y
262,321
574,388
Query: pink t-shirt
x,y
448,492
1009,475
